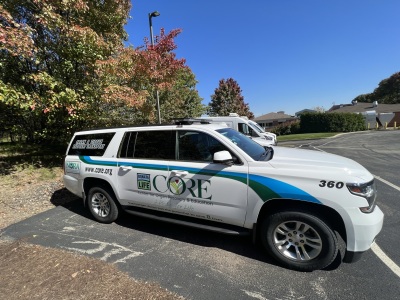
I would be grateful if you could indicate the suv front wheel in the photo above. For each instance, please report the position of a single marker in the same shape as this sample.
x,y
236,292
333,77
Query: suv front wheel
x,y
299,240
102,205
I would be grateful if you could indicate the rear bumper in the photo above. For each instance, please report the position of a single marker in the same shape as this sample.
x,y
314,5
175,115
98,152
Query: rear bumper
x,y
73,185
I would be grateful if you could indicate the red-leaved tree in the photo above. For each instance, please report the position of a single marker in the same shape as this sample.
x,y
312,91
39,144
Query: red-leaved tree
x,y
227,98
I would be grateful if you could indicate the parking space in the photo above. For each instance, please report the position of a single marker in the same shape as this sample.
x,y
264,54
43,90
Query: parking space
x,y
202,265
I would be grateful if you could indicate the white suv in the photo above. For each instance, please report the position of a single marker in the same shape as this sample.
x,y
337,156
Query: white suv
x,y
213,177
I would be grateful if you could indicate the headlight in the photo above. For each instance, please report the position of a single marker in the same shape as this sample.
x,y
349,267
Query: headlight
x,y
367,191
268,137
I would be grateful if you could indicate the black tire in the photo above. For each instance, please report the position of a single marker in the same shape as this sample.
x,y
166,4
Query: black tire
x,y
102,205
299,240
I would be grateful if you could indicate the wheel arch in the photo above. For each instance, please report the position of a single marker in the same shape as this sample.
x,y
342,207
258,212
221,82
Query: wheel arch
x,y
326,213
90,182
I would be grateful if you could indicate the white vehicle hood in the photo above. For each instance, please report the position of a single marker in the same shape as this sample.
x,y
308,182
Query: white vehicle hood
x,y
316,161
264,142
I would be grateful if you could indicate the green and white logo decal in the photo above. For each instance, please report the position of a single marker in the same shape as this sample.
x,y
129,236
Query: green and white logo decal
x,y
177,185
143,181
72,166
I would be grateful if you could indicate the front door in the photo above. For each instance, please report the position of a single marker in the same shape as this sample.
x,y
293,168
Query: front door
x,y
203,189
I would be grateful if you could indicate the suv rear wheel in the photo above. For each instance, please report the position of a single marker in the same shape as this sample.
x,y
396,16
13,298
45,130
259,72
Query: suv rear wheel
x,y
299,240
102,205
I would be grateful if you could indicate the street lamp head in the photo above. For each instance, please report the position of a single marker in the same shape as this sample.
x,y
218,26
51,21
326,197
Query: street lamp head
x,y
154,14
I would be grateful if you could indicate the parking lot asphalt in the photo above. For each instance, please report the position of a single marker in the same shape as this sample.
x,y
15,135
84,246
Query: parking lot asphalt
x,y
202,265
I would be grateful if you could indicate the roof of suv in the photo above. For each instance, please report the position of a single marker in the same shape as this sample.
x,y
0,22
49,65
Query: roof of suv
x,y
193,124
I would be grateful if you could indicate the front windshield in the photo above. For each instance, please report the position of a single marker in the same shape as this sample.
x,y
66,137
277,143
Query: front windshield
x,y
254,150
258,127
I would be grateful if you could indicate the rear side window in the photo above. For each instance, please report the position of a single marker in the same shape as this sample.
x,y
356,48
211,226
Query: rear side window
x,y
148,145
91,144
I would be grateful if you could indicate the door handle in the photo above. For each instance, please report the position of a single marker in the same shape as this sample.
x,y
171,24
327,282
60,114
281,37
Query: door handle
x,y
179,173
126,168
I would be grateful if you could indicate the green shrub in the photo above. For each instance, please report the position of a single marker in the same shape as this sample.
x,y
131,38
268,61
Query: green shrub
x,y
287,128
331,122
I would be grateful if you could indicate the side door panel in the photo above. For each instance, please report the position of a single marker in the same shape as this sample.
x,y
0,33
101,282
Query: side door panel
x,y
143,169
202,189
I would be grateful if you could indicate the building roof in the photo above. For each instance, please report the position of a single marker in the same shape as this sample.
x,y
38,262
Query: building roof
x,y
273,117
364,107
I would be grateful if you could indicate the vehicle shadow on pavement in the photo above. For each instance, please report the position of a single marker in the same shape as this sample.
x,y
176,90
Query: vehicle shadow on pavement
x,y
240,245
64,197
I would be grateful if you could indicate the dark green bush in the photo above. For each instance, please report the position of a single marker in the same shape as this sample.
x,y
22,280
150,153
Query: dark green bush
x,y
331,122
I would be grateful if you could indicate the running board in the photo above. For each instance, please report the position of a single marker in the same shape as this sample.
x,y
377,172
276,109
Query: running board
x,y
230,231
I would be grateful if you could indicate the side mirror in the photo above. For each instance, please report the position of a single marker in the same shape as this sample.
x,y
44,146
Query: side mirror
x,y
223,157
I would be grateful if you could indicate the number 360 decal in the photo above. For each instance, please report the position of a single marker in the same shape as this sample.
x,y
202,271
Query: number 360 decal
x,y
331,184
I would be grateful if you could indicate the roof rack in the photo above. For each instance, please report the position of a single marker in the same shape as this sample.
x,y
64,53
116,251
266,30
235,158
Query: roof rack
x,y
189,121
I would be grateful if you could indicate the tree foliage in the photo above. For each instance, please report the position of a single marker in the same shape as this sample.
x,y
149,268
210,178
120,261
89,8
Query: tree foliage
x,y
388,91
64,67
48,60
227,98
133,76
181,99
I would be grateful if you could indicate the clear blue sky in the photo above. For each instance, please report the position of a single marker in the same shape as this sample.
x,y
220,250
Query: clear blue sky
x,y
286,55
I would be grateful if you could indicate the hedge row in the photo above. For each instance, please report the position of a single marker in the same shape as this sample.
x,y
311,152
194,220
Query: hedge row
x,y
332,122
322,122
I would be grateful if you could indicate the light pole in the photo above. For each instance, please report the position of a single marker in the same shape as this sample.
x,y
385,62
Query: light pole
x,y
151,15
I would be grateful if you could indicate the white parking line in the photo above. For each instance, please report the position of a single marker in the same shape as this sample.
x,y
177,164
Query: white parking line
x,y
388,183
376,249
385,259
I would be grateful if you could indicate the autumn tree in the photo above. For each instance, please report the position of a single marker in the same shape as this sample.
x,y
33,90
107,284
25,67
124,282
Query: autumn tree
x,y
133,76
48,55
227,98
181,99
64,67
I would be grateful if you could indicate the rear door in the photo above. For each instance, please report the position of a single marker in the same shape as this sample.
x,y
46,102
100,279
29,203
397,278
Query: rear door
x,y
143,168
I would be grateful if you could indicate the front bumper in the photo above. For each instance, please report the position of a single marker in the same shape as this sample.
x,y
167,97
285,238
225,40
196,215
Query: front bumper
x,y
362,229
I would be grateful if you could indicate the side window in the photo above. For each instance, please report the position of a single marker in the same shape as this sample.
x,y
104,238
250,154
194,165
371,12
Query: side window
x,y
197,146
243,128
91,144
157,144
128,145
246,130
253,133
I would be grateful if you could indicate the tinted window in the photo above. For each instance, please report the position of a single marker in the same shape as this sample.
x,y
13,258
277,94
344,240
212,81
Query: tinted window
x,y
148,145
197,146
246,130
90,144
128,144
243,142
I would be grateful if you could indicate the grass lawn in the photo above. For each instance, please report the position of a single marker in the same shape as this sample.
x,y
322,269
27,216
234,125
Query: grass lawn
x,y
306,136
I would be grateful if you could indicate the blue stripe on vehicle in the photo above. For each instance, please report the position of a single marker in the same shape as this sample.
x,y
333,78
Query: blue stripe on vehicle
x,y
257,183
283,189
